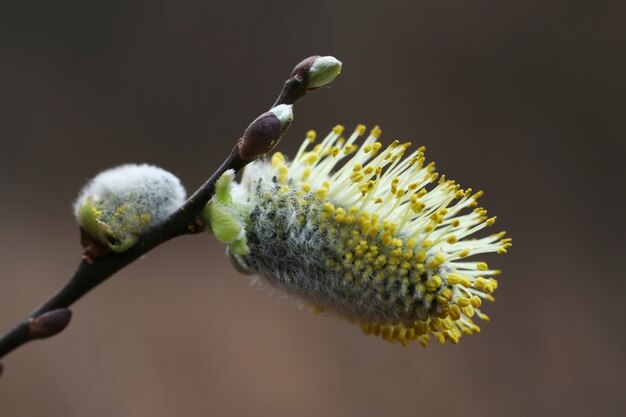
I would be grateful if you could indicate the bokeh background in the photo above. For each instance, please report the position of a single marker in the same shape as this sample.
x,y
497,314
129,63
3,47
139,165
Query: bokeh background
x,y
524,99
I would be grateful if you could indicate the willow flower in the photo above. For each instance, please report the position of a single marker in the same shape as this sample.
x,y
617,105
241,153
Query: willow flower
x,y
120,203
367,233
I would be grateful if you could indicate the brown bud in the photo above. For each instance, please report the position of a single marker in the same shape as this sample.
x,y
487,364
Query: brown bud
x,y
49,324
264,132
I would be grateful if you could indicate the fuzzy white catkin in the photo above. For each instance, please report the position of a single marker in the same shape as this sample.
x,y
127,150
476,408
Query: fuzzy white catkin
x,y
131,198
375,239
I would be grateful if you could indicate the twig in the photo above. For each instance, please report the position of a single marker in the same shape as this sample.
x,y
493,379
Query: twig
x,y
53,316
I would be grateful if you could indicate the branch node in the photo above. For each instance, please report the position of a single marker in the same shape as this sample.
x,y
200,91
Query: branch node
x,y
93,249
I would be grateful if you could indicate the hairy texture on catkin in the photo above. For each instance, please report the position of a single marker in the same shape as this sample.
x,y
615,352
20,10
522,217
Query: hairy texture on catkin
x,y
303,255
122,202
150,189
379,238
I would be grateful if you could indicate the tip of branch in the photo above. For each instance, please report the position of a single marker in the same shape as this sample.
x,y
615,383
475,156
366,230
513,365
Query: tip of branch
x,y
49,324
310,73
317,71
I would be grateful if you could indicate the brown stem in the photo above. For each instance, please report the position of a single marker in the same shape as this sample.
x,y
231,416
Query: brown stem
x,y
90,274
93,272
292,91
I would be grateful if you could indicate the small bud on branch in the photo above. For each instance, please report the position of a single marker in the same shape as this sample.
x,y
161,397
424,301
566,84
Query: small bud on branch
x,y
311,73
264,132
49,324
317,71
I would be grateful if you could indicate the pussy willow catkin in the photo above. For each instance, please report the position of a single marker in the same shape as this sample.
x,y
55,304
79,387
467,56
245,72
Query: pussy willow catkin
x,y
120,203
367,233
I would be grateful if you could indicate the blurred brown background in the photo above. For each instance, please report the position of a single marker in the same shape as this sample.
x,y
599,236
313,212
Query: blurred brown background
x,y
525,99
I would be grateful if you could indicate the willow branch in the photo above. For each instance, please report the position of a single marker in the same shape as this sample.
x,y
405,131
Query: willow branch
x,y
53,315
